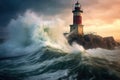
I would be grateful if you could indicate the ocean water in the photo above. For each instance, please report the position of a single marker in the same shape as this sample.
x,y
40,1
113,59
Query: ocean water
x,y
37,50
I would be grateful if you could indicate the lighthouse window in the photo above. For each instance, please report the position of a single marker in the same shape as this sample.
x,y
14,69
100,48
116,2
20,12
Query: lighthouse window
x,y
77,5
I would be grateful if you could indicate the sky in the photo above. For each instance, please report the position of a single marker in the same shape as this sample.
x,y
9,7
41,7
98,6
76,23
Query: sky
x,y
99,17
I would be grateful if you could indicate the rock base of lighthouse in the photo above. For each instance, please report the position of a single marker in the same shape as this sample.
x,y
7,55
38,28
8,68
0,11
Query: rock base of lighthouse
x,y
90,41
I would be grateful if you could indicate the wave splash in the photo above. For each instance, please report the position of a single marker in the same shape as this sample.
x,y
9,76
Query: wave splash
x,y
31,32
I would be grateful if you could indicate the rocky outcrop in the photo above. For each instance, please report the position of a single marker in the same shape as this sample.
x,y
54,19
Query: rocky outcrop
x,y
93,41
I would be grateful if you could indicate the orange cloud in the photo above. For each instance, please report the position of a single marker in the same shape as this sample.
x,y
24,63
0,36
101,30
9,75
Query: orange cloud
x,y
106,10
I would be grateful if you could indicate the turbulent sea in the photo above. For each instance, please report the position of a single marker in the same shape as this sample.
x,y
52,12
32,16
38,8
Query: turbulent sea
x,y
37,52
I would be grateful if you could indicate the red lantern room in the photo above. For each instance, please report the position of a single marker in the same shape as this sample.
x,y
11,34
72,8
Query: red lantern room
x,y
77,18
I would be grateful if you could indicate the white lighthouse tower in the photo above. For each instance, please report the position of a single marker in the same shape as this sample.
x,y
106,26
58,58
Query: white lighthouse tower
x,y
77,26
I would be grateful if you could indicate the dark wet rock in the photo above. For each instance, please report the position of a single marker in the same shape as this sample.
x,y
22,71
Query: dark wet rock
x,y
93,41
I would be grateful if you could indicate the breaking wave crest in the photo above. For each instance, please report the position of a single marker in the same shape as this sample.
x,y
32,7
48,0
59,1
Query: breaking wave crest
x,y
31,32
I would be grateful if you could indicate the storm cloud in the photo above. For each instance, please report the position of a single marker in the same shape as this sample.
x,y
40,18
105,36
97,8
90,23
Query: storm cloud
x,y
12,8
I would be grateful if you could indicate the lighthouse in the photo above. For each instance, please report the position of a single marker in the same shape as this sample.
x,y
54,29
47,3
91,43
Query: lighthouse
x,y
77,26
